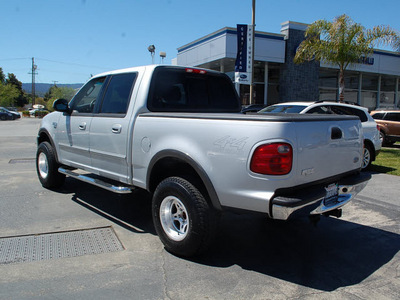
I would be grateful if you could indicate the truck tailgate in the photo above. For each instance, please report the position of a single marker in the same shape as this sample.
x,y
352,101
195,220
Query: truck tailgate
x,y
327,148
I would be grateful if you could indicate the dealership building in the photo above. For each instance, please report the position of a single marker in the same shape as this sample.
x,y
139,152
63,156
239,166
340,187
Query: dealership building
x,y
373,83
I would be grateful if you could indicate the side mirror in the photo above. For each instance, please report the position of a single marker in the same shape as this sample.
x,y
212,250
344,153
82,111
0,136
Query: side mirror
x,y
61,105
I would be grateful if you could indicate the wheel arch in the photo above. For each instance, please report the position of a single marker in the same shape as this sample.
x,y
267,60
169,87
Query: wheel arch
x,y
44,136
372,148
169,163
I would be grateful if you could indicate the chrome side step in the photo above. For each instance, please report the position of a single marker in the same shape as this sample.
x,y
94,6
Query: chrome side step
x,y
97,182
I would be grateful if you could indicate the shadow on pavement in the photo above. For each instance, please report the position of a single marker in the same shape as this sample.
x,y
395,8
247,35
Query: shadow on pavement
x,y
131,211
333,254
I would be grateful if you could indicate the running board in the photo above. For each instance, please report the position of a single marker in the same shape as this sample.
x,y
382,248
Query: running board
x,y
97,182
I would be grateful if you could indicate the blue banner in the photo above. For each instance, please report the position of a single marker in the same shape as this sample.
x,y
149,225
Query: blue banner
x,y
241,56
243,64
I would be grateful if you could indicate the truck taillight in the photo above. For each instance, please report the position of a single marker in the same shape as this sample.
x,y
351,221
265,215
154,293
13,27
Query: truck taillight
x,y
272,159
195,71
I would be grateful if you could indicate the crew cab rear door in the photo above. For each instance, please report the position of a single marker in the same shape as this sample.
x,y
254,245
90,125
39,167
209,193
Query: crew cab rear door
x,y
110,128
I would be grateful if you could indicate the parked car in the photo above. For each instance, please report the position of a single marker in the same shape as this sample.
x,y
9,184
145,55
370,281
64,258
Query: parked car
x,y
372,142
6,114
253,108
38,112
389,125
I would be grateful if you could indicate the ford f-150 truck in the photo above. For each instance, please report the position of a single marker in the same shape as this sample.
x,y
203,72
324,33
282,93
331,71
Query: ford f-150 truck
x,y
178,133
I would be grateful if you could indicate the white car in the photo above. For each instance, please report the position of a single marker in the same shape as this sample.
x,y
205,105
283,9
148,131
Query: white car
x,y
372,142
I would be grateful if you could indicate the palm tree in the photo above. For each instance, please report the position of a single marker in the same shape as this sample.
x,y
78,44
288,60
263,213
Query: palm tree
x,y
343,43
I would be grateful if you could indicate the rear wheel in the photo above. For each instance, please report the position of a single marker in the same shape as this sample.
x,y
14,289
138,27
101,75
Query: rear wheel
x,y
381,137
367,157
47,167
184,221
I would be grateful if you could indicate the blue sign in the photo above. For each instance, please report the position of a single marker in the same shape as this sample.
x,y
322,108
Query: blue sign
x,y
241,56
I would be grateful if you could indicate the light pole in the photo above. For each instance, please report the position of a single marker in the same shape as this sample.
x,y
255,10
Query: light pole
x,y
152,50
163,55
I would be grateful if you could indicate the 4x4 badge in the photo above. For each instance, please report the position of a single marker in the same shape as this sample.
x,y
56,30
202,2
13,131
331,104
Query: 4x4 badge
x,y
307,172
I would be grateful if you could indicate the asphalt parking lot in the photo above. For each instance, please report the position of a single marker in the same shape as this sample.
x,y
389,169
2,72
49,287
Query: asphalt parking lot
x,y
354,257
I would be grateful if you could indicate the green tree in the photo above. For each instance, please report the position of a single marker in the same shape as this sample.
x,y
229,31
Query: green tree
x,y
343,43
2,77
21,99
8,94
56,92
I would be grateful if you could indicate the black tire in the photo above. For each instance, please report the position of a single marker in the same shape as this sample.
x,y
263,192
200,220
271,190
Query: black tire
x,y
382,137
385,141
367,157
47,167
184,221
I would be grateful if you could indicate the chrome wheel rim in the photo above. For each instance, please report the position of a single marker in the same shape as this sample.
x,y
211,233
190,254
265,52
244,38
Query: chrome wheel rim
x,y
174,218
366,158
43,165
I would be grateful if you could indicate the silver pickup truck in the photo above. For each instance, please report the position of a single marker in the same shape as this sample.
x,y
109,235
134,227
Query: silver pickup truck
x,y
178,133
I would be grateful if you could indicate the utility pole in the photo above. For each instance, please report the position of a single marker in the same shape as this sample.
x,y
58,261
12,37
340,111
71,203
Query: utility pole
x,y
253,24
34,67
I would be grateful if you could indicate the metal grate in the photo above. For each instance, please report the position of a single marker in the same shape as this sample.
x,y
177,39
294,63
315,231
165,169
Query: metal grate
x,y
58,245
21,161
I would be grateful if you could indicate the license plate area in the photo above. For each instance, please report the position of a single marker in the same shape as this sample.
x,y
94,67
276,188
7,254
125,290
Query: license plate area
x,y
331,197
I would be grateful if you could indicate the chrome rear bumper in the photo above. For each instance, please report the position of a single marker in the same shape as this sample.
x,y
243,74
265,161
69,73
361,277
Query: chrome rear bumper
x,y
283,207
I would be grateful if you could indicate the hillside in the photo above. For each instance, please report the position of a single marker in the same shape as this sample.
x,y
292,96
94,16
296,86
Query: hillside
x,y
42,88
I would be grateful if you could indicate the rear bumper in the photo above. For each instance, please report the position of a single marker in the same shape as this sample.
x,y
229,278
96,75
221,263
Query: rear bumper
x,y
313,199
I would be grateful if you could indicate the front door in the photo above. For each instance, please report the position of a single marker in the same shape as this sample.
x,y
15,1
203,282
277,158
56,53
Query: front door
x,y
73,129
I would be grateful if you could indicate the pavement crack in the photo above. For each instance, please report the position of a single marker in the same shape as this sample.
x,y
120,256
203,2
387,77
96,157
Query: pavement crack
x,y
164,275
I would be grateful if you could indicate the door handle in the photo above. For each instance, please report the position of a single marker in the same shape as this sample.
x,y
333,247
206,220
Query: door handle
x,y
82,126
116,128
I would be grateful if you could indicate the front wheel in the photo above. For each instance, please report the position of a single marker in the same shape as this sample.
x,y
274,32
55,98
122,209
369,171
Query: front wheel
x,y
184,221
47,167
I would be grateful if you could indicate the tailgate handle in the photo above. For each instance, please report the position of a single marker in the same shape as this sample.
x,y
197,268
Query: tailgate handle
x,y
336,133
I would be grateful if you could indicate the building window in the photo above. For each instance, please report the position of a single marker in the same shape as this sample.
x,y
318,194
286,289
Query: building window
x,y
351,86
273,83
387,92
328,85
369,91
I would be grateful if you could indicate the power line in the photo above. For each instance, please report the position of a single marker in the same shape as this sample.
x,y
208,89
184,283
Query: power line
x,y
10,59
72,64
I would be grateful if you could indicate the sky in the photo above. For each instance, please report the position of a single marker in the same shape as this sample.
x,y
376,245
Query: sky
x,y
71,40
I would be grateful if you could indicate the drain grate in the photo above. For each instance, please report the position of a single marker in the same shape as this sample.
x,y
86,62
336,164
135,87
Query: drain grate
x,y
21,160
58,245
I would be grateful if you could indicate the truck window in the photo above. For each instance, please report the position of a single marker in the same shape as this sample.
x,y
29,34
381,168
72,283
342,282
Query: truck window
x,y
86,98
181,90
118,94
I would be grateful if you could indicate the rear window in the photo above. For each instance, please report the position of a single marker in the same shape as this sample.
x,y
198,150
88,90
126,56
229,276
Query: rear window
x,y
345,110
188,90
289,109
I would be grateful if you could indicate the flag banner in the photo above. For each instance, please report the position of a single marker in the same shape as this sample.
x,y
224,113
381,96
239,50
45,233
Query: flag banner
x,y
243,64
